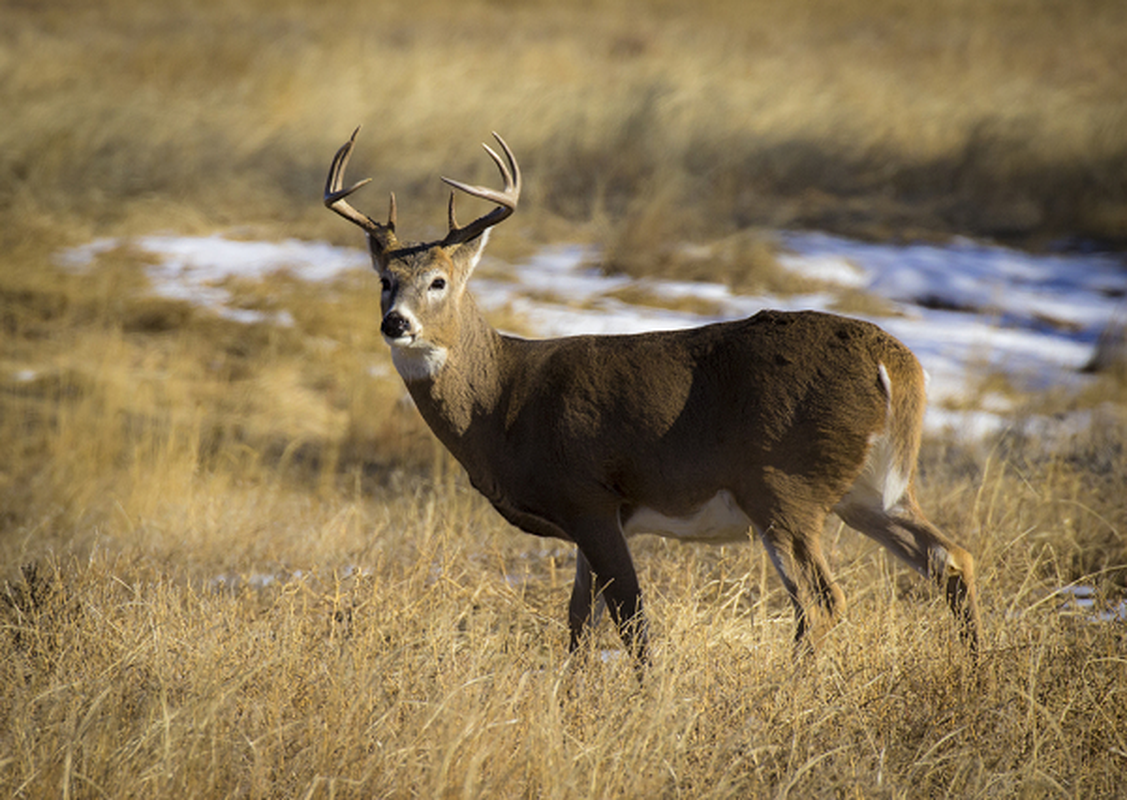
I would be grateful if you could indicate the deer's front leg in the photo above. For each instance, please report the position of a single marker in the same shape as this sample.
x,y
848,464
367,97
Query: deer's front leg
x,y
604,572
582,599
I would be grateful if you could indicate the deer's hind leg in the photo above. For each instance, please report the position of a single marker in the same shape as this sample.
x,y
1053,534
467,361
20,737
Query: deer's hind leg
x,y
903,530
793,543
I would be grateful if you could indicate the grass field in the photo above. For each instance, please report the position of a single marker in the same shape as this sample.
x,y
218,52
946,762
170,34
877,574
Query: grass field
x,y
235,563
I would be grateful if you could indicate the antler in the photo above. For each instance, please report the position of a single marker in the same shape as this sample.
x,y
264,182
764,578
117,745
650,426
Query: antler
x,y
382,235
506,199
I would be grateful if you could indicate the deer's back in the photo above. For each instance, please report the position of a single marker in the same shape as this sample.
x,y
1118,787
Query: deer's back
x,y
789,392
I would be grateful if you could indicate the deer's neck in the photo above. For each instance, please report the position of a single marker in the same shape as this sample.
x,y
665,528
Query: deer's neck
x,y
460,398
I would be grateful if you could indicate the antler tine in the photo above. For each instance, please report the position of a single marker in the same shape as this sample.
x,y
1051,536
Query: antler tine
x,y
506,199
335,196
453,222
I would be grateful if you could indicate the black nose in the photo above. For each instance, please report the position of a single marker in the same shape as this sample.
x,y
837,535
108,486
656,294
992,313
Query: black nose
x,y
394,325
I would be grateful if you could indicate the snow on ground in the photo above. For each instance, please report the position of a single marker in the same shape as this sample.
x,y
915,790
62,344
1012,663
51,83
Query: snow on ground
x,y
966,309
192,268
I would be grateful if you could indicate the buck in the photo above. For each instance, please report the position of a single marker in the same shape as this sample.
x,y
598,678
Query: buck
x,y
766,424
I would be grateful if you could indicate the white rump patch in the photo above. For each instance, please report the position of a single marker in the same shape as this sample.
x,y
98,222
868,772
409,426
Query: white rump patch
x,y
718,521
882,479
882,476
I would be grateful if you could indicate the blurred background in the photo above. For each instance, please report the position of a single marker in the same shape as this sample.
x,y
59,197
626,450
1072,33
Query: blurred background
x,y
635,122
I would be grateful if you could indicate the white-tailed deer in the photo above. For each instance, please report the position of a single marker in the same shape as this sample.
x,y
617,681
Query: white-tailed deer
x,y
769,423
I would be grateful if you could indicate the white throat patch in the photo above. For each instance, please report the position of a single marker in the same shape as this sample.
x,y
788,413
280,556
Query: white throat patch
x,y
418,362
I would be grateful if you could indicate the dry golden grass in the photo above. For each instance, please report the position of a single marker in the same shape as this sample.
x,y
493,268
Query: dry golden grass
x,y
237,565
234,563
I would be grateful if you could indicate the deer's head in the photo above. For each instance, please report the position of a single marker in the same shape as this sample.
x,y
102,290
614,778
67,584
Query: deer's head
x,y
423,283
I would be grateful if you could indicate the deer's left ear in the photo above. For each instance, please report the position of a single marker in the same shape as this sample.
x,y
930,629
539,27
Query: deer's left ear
x,y
465,256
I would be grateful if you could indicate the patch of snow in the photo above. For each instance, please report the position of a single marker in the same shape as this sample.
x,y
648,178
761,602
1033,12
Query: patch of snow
x,y
193,268
828,267
963,424
976,308
1081,600
968,309
1015,289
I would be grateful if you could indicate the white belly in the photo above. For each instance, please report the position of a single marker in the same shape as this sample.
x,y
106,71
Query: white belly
x,y
718,521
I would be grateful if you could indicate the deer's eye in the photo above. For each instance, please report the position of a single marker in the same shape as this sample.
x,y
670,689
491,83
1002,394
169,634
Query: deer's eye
x,y
438,284
385,285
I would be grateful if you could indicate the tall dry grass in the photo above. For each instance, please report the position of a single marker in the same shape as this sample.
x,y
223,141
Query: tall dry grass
x,y
235,563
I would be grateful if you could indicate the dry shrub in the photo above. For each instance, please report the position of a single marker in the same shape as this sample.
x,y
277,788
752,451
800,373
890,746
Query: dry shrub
x,y
1110,356
745,261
